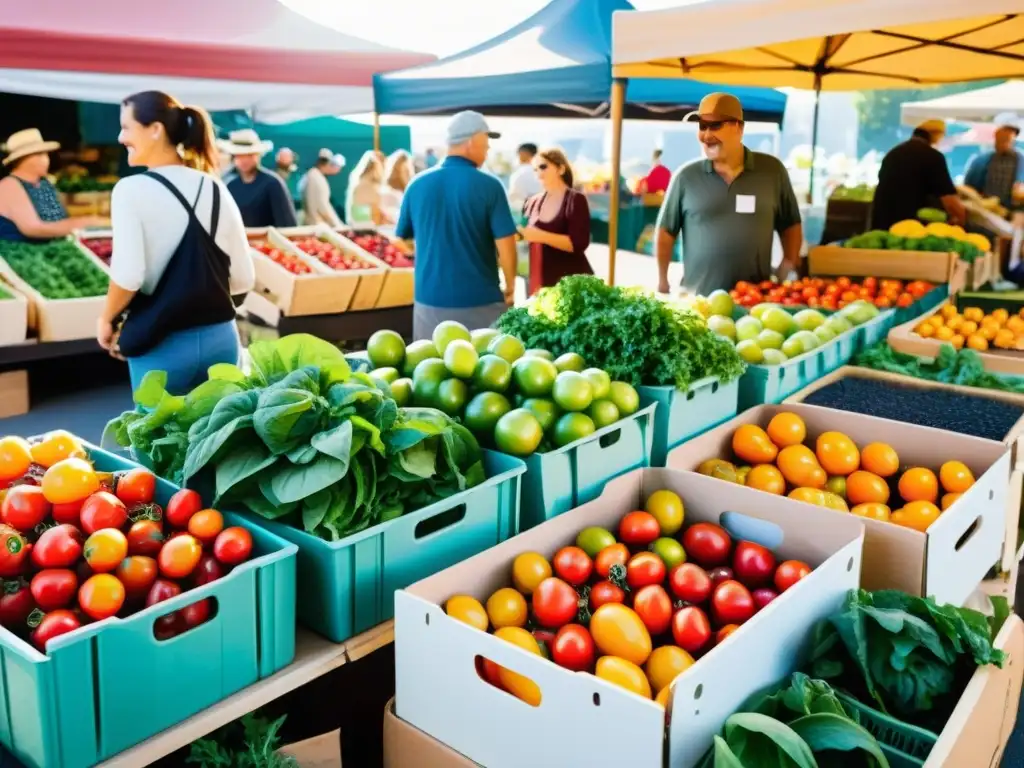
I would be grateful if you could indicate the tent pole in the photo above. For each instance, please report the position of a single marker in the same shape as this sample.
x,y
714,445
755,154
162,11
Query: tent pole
x,y
376,131
618,102
814,137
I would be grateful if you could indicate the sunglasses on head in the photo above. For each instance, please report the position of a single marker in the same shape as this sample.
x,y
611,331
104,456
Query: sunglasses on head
x,y
713,125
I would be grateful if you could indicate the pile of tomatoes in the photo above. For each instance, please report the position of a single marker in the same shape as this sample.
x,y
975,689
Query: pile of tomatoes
x,y
77,545
635,607
830,294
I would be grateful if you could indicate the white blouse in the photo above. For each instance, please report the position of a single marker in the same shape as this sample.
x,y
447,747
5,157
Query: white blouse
x,y
148,224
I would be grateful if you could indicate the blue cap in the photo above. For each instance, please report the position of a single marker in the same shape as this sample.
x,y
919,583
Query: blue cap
x,y
466,125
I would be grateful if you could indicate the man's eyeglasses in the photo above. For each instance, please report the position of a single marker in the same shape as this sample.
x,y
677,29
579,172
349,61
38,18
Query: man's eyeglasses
x,y
714,125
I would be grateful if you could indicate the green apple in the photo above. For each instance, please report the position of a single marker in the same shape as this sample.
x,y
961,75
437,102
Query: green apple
x,y
838,324
723,326
807,340
859,312
808,319
774,357
750,352
747,328
824,333
769,339
721,303
777,319
759,309
792,347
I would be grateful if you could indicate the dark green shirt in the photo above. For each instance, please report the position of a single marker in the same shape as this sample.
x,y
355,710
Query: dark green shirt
x,y
728,229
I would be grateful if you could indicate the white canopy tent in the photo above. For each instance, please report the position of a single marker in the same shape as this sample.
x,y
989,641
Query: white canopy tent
x,y
980,106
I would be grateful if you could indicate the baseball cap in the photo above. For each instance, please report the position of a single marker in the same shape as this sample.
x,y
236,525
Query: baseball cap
x,y
933,126
1008,120
326,154
465,125
717,107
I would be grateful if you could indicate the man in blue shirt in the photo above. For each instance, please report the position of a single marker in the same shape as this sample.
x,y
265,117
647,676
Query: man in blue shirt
x,y
998,173
261,195
459,217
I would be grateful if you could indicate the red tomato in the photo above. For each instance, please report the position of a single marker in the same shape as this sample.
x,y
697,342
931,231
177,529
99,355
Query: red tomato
x,y
724,632
573,565
103,510
731,603
195,614
707,544
720,574
638,529
161,590
54,588
763,596
24,507
691,629
70,513
645,568
615,554
136,486
16,603
490,672
58,547
690,582
182,506
555,603
54,624
789,573
168,626
753,564
137,573
101,596
179,556
14,552
145,537
208,569
654,607
233,545
573,648
605,592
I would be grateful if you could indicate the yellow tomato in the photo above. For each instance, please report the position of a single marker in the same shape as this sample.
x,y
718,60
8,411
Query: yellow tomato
x,y
624,674
943,334
872,510
618,631
57,446
15,457
467,610
528,570
667,509
955,477
968,327
926,330
957,341
506,608
948,500
974,314
917,515
665,665
664,696
70,480
519,686
1000,315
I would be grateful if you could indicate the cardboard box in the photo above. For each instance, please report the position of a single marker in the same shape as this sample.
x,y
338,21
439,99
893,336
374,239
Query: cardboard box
x,y
439,691
13,316
14,399
323,751
409,747
951,559
321,292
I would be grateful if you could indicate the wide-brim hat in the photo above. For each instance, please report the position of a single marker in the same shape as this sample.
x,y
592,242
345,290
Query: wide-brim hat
x,y
244,142
27,142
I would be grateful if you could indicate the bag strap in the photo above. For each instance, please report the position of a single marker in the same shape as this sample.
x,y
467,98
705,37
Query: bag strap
x,y
215,213
172,189
215,216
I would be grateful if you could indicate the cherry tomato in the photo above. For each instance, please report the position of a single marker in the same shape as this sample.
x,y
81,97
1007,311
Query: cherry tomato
x,y
720,574
105,550
507,608
645,568
691,629
103,510
54,588
528,570
136,486
15,457
763,596
654,607
490,672
137,573
70,513
724,632
573,648
666,664
179,556
161,590
206,524
145,537
195,614
707,544
753,564
168,626
638,529
70,480
618,631
101,596
209,569
623,673
518,685
16,603
616,554
605,592
690,582
789,573
233,545
58,547
466,609
731,603
182,506
573,565
54,624
14,552
554,603
24,507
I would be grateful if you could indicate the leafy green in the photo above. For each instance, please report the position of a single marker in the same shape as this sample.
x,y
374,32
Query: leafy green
x,y
57,269
632,335
251,742
964,368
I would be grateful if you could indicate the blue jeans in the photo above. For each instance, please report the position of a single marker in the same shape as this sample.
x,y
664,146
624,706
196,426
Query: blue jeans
x,y
186,356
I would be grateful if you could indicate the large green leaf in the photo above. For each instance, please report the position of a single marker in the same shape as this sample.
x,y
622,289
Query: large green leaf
x,y
287,418
290,483
336,442
239,465
825,732
231,417
759,740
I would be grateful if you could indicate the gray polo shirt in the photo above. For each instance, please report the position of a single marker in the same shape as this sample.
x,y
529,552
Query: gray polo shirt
x,y
728,229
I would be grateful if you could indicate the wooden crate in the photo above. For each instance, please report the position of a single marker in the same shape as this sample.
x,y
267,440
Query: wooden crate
x,y
13,316
399,282
371,281
321,292
985,269
833,260
13,394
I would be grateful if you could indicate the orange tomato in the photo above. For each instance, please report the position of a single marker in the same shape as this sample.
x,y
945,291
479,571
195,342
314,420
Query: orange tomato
x,y
752,444
948,499
15,457
786,429
919,484
623,673
519,686
206,524
866,488
835,501
837,454
137,573
179,556
814,496
768,478
917,515
105,549
955,477
880,459
57,446
101,596
507,608
800,467
70,480
872,511
665,664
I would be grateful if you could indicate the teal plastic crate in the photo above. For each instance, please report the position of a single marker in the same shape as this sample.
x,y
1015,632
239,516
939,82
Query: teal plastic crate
x,y
873,331
904,745
112,684
560,480
681,415
347,587
922,306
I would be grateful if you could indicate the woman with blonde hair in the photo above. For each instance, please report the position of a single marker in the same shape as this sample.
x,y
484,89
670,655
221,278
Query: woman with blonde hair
x,y
558,223
398,171
364,201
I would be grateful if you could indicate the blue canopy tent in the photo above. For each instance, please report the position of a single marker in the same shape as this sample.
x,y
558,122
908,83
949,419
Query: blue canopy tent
x,y
556,63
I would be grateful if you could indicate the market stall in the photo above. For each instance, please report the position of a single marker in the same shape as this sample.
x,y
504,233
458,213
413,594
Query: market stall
x,y
978,106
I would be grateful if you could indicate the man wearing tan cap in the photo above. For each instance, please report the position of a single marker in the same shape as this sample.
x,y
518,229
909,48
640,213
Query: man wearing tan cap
x,y
914,175
727,207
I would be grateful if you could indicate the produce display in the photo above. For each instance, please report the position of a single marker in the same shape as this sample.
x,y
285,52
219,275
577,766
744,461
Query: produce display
x,y
974,329
82,546
479,376
868,481
382,248
861,193
332,255
75,179
635,606
282,258
56,270
103,247
961,367
632,335
830,294
301,439
913,235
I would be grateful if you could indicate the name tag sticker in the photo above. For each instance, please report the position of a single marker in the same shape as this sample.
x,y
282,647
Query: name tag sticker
x,y
745,203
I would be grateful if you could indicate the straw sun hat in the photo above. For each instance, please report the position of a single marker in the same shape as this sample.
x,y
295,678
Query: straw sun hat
x,y
25,143
244,142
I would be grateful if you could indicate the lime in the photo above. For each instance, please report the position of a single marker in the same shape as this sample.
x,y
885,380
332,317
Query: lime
x,y
539,353
600,382
518,432
625,398
426,379
387,374
570,361
506,346
603,413
447,332
483,412
401,391
545,411
386,348
416,353
572,427
482,337
572,391
534,376
492,374
451,396
460,358
670,551
593,539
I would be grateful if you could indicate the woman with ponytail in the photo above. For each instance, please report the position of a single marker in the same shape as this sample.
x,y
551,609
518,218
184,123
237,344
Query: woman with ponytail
x,y
180,248
558,223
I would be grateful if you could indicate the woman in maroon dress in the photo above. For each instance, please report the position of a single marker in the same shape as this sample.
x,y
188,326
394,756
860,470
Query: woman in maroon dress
x,y
558,223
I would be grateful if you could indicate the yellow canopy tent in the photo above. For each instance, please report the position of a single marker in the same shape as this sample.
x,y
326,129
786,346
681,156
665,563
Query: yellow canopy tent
x,y
834,45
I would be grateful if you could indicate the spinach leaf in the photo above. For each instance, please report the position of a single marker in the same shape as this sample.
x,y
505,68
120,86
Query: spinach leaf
x,y
314,509
290,483
336,442
231,417
287,418
757,739
829,732
238,466
302,454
